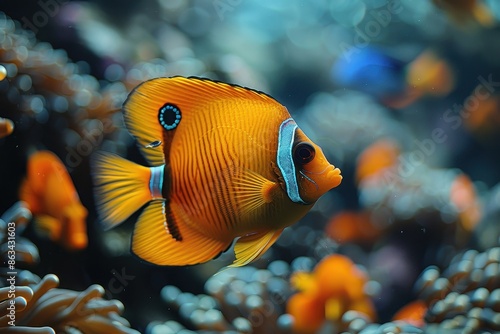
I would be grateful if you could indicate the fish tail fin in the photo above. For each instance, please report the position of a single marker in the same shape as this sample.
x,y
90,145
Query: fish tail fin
x,y
121,187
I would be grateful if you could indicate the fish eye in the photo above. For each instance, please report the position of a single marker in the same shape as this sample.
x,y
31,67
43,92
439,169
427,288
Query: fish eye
x,y
303,153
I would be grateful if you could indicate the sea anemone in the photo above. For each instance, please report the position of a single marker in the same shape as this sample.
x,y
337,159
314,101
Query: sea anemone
x,y
33,305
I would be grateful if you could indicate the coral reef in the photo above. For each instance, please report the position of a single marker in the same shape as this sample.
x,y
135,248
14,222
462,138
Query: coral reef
x,y
335,286
412,121
29,304
246,300
465,296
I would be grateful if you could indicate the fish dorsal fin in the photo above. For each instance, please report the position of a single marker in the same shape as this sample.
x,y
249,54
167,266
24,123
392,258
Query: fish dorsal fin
x,y
252,190
250,247
155,108
152,241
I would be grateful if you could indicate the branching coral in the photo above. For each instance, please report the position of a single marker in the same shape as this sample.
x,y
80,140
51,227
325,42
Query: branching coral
x,y
336,286
464,299
66,311
357,323
48,309
245,299
41,78
42,83
29,304
25,251
466,296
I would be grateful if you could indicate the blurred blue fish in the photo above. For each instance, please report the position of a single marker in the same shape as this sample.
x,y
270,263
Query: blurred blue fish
x,y
391,81
371,71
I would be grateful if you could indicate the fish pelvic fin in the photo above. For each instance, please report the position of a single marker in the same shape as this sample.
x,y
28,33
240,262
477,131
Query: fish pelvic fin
x,y
252,246
155,243
121,187
48,226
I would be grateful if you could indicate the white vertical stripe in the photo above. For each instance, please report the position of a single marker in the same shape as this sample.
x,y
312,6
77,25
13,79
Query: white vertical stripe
x,y
156,181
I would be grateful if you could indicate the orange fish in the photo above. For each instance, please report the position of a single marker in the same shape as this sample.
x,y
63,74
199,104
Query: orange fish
x,y
426,75
227,162
6,127
429,74
51,196
485,118
334,287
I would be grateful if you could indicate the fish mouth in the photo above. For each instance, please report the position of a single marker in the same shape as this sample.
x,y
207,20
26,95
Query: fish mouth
x,y
334,176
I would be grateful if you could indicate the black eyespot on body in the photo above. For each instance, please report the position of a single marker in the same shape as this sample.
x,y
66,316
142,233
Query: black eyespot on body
x,y
169,116
303,153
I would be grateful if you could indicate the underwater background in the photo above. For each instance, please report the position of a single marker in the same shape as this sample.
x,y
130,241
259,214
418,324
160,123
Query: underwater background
x,y
403,96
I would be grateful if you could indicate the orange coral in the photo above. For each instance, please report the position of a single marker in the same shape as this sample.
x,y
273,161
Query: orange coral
x,y
335,286
412,313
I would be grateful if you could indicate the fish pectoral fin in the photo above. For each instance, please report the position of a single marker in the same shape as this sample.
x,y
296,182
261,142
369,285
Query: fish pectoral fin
x,y
48,226
250,247
252,190
152,240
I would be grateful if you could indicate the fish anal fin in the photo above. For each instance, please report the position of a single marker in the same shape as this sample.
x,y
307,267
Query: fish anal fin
x,y
252,190
153,242
250,247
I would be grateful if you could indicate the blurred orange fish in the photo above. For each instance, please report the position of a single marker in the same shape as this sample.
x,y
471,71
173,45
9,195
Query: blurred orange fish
x,y
381,154
227,162
429,74
51,196
393,81
466,11
6,127
484,120
335,286
426,75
